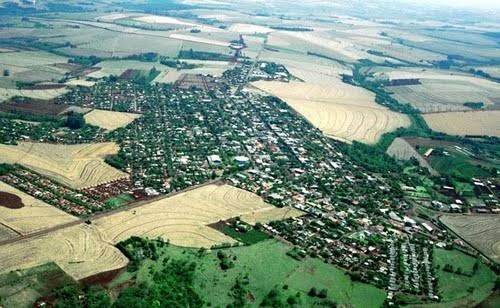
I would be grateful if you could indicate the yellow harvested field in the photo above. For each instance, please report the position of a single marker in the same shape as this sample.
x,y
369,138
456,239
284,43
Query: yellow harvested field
x,y
80,82
77,166
249,28
36,215
154,19
214,68
481,231
440,91
183,218
465,123
79,250
267,215
6,94
196,39
340,110
110,120
112,17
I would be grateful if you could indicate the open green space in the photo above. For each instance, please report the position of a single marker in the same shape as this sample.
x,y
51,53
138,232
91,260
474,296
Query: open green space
x,y
119,200
260,272
467,282
22,288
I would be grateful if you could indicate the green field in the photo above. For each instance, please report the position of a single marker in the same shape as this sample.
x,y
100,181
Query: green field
x,y
119,200
266,267
471,287
23,288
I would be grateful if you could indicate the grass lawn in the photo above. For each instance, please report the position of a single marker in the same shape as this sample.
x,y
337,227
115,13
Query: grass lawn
x,y
464,189
250,237
456,287
267,267
23,288
457,165
119,200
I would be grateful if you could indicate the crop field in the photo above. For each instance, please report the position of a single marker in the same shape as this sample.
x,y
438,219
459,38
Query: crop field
x,y
440,91
126,44
214,68
444,95
110,120
402,150
183,218
79,250
465,123
22,288
466,289
80,82
31,66
267,215
268,267
197,39
341,111
175,23
77,166
249,28
481,231
33,216
44,94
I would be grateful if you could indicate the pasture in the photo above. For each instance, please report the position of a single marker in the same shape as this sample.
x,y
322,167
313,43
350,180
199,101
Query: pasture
x,y
79,250
466,123
110,120
467,288
183,218
341,111
267,267
481,231
35,215
22,288
77,166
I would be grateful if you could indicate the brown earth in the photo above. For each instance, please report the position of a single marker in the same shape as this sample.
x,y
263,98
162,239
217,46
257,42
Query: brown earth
x,y
10,201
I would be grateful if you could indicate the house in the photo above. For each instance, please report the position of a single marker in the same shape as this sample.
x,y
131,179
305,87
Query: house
x,y
214,160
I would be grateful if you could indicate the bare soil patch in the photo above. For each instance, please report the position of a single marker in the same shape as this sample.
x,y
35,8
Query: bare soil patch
x,y
10,201
34,107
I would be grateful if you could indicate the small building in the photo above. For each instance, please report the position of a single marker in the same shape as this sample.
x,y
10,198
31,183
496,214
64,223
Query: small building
x,y
241,160
214,160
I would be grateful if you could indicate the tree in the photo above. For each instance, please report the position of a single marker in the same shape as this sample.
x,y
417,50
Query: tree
x,y
313,292
6,73
75,120
323,293
97,298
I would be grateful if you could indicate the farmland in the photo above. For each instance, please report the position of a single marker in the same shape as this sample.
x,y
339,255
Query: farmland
x,y
467,287
481,231
76,166
33,216
7,93
440,91
477,123
22,288
266,267
109,120
270,214
183,218
79,250
342,112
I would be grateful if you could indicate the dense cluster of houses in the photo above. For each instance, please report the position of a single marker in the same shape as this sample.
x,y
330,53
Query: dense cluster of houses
x,y
186,137
78,203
